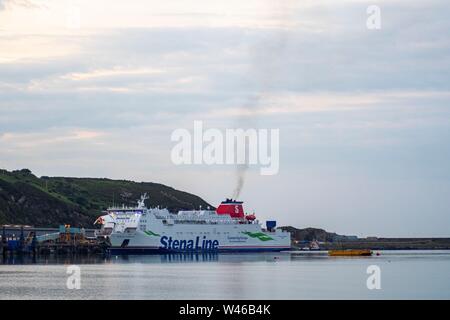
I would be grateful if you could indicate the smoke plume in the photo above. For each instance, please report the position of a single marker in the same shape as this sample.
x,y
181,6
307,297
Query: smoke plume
x,y
241,170
266,58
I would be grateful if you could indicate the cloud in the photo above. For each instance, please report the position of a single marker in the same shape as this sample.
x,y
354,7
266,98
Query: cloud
x,y
107,73
352,104
52,137
29,4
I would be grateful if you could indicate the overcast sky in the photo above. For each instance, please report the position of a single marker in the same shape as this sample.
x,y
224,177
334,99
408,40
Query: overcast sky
x,y
364,115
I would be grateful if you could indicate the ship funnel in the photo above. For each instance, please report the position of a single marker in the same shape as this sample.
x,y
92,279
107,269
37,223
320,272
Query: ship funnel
x,y
231,207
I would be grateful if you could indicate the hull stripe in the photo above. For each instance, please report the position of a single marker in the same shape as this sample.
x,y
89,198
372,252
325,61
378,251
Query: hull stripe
x,y
253,246
159,250
221,247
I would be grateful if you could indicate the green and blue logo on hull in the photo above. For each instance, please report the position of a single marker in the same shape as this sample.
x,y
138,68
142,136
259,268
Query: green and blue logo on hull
x,y
259,235
151,233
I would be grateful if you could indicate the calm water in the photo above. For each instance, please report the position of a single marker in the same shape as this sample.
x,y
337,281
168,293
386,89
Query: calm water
x,y
404,275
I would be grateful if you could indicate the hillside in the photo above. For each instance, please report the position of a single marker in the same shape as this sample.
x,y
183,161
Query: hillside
x,y
51,201
309,234
333,241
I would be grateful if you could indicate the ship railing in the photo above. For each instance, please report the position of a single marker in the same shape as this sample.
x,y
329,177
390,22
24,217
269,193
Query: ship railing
x,y
99,233
203,221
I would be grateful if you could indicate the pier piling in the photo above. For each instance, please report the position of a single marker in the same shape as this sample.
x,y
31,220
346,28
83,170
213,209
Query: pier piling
x,y
4,244
68,241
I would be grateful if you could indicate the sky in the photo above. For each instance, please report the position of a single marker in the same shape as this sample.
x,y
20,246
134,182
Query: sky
x,y
95,89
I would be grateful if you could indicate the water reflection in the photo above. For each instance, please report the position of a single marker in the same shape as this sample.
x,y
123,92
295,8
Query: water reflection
x,y
156,258
53,259
202,257
293,275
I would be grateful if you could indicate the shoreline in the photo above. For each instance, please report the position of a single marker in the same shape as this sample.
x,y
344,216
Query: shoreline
x,y
430,243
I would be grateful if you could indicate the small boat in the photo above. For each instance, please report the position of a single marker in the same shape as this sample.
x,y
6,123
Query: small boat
x,y
350,252
314,245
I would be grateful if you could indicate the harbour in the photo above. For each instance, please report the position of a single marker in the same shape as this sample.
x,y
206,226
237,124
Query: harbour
x,y
287,275
65,240
180,251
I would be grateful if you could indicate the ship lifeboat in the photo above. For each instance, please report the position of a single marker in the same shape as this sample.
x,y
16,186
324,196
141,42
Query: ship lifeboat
x,y
250,217
100,220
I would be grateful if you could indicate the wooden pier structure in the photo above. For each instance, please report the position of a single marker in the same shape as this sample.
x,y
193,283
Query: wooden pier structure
x,y
22,240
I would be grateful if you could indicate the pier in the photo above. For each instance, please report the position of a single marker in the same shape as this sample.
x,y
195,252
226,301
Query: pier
x,y
26,240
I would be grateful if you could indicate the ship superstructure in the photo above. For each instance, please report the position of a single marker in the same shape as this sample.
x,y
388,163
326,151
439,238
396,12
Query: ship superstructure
x,y
142,230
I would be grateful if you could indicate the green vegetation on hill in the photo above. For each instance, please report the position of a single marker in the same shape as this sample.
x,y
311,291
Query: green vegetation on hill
x,y
50,201
309,234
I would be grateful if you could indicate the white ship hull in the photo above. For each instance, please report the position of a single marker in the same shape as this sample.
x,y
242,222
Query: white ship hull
x,y
195,238
142,231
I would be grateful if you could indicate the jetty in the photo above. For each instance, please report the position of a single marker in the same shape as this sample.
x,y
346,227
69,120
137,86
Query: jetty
x,y
23,240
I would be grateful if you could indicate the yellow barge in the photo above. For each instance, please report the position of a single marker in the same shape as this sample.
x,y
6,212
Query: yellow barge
x,y
350,252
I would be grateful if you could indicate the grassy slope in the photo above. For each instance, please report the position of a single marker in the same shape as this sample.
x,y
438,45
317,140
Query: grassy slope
x,y
27,199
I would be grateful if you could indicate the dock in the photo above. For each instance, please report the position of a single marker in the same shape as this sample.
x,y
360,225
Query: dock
x,y
26,240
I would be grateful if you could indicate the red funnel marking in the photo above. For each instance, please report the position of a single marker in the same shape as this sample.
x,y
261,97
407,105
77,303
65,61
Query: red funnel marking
x,y
233,208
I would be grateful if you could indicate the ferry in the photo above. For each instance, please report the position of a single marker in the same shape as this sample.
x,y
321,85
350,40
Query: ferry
x,y
142,230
